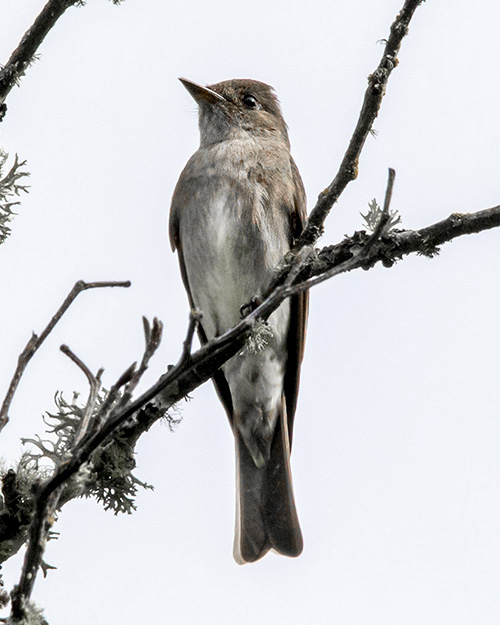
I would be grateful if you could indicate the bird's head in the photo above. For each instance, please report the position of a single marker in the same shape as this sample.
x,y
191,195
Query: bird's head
x,y
233,108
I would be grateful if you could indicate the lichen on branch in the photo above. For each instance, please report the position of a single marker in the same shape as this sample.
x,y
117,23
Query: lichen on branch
x,y
10,188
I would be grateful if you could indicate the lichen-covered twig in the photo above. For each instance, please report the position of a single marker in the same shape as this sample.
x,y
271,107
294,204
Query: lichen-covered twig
x,y
48,494
23,55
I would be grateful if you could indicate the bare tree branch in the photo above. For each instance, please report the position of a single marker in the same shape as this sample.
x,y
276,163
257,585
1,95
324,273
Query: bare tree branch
x,y
35,341
152,337
375,91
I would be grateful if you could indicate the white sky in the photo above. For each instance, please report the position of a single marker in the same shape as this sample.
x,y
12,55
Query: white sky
x,y
397,443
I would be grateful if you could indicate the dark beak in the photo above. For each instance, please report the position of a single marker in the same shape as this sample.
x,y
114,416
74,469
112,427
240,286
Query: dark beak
x,y
201,93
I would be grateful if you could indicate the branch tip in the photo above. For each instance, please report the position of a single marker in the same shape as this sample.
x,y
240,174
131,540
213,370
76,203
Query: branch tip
x,y
126,376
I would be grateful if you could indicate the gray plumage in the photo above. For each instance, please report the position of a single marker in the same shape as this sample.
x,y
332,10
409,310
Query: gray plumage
x,y
237,208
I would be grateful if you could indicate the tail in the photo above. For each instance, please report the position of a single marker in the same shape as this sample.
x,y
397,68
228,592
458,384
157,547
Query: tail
x,y
266,517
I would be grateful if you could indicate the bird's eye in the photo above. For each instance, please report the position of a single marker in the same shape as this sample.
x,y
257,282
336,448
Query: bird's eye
x,y
250,101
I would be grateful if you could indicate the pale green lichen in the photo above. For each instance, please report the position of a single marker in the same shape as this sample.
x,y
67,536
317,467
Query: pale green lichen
x,y
259,338
9,187
374,214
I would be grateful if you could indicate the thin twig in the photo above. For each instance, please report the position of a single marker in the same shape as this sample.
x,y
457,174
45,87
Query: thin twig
x,y
92,379
115,400
95,385
114,394
152,337
35,341
388,191
385,216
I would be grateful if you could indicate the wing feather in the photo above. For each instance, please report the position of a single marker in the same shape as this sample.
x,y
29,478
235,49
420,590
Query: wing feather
x,y
219,379
299,308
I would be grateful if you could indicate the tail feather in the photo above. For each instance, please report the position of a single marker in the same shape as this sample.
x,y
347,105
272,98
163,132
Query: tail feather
x,y
282,522
250,538
266,517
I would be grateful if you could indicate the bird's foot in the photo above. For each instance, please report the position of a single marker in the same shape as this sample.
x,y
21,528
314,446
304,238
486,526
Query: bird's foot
x,y
254,303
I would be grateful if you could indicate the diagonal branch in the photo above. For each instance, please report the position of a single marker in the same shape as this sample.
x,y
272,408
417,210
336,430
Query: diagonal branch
x,y
23,55
43,520
352,253
375,91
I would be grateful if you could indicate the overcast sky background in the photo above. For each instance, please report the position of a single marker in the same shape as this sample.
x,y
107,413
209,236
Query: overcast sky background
x,y
396,456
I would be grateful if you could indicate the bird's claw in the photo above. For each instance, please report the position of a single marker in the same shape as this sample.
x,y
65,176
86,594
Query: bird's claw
x,y
254,303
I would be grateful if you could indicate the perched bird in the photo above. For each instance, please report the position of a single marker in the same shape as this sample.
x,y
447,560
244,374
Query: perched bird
x,y
238,207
